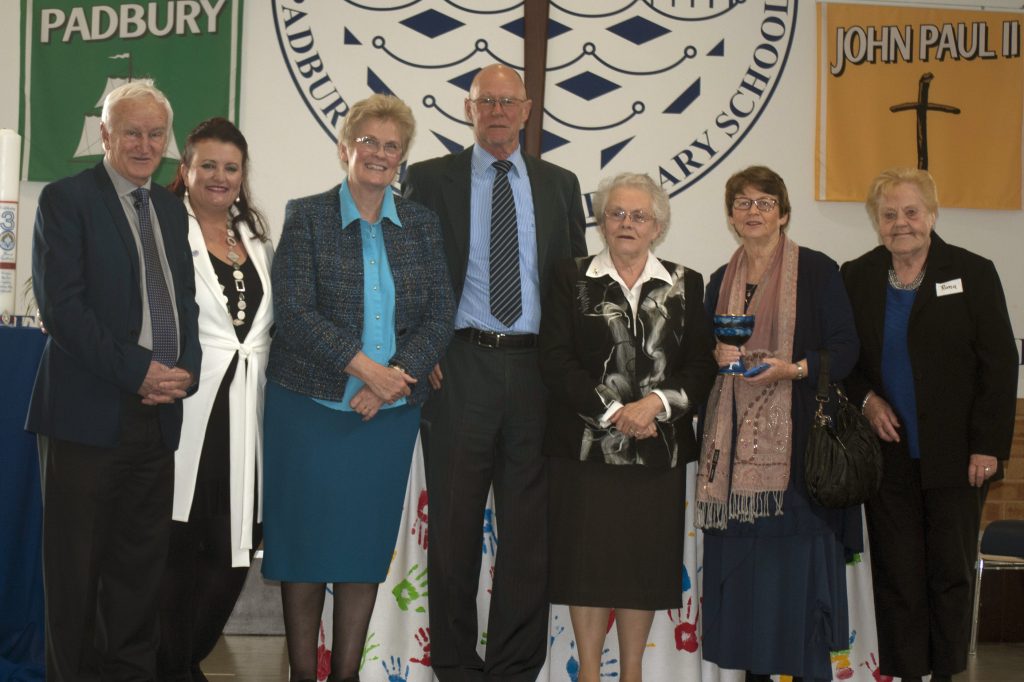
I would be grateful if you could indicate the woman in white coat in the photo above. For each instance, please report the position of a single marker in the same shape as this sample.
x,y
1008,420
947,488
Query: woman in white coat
x,y
217,476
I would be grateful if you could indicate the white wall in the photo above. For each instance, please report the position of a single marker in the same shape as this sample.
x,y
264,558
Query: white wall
x,y
293,160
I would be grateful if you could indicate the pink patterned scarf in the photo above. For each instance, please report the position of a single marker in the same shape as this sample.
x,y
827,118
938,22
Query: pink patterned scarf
x,y
745,480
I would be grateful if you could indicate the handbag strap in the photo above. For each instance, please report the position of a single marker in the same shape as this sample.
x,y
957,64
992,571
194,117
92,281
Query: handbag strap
x,y
821,396
823,371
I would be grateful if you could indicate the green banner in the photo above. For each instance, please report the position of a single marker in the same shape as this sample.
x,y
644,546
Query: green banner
x,y
76,51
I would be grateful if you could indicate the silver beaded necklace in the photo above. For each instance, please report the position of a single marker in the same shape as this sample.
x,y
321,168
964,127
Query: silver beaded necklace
x,y
230,238
913,285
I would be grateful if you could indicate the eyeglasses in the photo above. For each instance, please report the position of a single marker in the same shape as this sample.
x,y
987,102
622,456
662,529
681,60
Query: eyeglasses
x,y
763,205
372,144
637,217
491,102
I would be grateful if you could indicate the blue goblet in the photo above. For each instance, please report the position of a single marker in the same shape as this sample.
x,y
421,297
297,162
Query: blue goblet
x,y
734,330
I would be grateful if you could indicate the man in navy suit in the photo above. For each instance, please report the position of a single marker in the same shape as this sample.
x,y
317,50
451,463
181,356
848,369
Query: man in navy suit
x,y
507,219
112,273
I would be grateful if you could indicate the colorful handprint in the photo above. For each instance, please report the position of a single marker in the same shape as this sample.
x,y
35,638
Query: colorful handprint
x,y
419,525
412,588
686,630
394,670
422,638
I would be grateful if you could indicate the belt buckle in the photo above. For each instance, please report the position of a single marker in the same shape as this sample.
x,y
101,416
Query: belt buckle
x,y
490,340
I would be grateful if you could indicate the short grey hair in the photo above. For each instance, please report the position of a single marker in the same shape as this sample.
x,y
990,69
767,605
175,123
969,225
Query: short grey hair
x,y
136,90
641,181
381,108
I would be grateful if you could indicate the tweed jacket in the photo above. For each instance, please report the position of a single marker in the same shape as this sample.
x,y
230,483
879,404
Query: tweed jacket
x,y
317,280
592,353
962,353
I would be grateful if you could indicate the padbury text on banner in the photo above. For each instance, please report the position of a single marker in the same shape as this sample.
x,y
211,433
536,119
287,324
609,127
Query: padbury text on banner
x,y
931,88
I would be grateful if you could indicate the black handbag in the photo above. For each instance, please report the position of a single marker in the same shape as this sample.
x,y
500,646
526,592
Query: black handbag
x,y
843,460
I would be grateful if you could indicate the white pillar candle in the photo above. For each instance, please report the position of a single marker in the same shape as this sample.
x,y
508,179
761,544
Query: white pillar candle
x,y
10,163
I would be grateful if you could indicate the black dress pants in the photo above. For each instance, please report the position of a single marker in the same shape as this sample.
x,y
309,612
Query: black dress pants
x,y
485,427
106,518
200,589
200,586
923,545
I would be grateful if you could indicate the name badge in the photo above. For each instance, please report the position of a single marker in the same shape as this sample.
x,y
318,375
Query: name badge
x,y
953,286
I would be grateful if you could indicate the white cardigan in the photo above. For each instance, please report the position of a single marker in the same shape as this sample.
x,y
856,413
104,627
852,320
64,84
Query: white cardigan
x,y
245,397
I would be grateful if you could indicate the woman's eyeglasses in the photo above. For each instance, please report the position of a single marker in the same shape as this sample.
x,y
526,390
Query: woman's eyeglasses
x,y
763,205
372,144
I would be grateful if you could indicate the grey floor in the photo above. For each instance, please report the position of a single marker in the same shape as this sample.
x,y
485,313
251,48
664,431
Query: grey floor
x,y
255,658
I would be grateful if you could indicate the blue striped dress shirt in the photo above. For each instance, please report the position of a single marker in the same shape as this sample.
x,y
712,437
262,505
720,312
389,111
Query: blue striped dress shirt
x,y
474,306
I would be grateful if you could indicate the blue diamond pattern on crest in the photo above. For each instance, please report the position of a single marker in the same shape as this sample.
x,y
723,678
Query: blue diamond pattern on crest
x,y
518,28
609,153
465,80
432,23
350,38
685,100
374,82
550,141
638,30
451,145
588,85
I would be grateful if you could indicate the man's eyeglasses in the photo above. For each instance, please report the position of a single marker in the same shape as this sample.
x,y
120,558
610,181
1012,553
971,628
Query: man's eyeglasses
x,y
491,102
763,205
637,217
372,144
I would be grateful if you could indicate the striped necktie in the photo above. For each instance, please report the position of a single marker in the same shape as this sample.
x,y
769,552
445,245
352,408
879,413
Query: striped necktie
x,y
161,311
506,289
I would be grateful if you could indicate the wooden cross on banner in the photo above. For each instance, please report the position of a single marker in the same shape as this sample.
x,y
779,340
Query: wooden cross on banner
x,y
922,106
535,56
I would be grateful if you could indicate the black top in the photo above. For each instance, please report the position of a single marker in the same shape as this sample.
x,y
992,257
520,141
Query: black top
x,y
253,291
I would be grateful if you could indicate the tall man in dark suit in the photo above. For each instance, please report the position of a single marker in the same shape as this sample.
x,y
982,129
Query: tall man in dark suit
x,y
112,273
507,219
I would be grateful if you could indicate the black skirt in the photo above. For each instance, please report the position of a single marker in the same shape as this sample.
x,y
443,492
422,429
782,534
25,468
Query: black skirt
x,y
616,535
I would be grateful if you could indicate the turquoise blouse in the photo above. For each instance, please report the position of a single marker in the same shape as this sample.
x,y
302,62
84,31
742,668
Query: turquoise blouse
x,y
378,292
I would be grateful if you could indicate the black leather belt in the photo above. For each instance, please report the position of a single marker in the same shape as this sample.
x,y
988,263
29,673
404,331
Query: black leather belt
x,y
486,339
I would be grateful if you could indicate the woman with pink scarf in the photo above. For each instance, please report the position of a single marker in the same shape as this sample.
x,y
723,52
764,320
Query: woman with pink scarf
x,y
774,562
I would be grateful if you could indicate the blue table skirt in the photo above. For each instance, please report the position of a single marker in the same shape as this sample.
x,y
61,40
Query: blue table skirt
x,y
21,512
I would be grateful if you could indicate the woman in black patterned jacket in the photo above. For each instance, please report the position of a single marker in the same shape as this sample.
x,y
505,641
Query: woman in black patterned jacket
x,y
364,309
626,351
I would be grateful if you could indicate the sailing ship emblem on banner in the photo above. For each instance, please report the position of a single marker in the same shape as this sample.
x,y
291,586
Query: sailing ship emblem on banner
x,y
74,56
660,86
90,144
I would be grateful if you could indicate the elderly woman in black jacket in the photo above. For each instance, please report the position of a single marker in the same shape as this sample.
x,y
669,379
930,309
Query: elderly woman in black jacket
x,y
364,310
626,352
937,379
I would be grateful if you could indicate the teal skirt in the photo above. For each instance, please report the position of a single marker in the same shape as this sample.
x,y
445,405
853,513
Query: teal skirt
x,y
334,488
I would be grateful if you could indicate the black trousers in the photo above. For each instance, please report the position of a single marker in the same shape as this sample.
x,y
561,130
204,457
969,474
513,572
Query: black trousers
x,y
106,518
200,589
923,545
485,428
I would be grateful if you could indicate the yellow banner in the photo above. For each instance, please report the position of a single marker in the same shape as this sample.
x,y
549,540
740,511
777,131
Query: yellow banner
x,y
933,88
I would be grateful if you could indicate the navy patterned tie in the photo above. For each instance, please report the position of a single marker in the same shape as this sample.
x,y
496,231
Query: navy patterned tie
x,y
506,289
161,311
